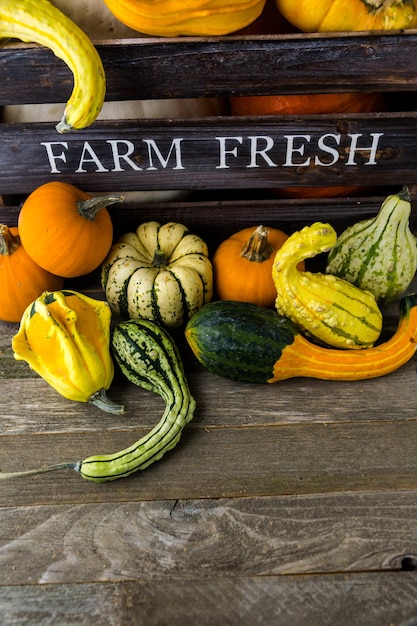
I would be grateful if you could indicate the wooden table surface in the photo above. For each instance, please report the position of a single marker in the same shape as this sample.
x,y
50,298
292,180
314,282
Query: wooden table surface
x,y
292,504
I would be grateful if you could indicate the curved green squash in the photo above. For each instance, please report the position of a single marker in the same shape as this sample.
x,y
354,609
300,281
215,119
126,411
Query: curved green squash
x,y
248,343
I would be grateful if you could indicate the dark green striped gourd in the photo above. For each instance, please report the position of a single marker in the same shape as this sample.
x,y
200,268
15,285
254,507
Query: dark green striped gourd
x,y
239,340
149,358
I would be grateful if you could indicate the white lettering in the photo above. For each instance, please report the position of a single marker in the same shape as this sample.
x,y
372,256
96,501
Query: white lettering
x,y
176,143
354,148
88,150
255,151
224,151
291,149
322,145
53,157
118,156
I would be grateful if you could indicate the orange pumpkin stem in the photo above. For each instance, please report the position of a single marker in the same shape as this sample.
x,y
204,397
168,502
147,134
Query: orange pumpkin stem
x,y
257,248
90,207
8,242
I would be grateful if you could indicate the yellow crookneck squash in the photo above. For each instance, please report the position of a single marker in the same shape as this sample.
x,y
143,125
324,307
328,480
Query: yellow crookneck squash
x,y
349,15
173,18
325,307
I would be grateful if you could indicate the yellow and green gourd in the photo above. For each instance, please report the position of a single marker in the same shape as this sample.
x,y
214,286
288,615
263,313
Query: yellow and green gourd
x,y
323,306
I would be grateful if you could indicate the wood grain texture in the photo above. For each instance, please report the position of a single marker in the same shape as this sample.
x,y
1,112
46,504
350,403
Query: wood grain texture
x,y
208,538
363,599
199,67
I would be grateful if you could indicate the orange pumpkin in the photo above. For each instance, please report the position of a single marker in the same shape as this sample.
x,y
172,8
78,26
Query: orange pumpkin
x,y
305,104
65,230
242,265
349,15
21,279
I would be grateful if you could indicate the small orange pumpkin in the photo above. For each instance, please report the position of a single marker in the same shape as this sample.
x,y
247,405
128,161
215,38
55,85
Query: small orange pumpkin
x,y
21,279
242,265
65,230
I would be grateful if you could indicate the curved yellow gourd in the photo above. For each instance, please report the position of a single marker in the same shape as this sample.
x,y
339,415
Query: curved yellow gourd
x,y
40,22
327,308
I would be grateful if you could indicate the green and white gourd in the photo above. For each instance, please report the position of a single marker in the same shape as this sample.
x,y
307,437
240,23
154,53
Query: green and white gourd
x,y
378,254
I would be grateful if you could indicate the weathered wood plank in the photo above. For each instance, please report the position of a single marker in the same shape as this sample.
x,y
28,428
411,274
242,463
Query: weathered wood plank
x,y
195,67
317,534
212,153
221,462
363,599
220,403
217,219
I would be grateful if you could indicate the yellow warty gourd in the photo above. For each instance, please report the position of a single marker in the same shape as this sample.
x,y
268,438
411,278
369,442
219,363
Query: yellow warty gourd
x,y
325,307
40,22
64,336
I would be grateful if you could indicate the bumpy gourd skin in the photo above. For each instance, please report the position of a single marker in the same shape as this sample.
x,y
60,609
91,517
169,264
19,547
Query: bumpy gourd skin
x,y
325,307
65,338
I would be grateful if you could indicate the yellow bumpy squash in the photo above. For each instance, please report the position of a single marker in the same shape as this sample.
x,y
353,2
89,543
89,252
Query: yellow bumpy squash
x,y
64,336
327,308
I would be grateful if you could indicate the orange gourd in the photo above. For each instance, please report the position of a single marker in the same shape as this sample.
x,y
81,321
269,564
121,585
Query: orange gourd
x,y
21,279
349,15
242,265
65,230
171,18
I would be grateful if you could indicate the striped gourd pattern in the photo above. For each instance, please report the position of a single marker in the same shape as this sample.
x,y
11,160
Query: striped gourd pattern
x,y
149,358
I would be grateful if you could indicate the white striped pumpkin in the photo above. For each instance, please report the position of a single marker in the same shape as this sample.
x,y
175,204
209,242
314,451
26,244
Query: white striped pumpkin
x,y
161,273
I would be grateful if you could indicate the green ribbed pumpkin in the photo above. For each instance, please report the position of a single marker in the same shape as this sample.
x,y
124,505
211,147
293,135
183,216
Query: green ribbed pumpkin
x,y
378,254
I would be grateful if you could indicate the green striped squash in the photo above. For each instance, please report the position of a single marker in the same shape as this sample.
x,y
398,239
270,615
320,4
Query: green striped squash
x,y
378,254
149,358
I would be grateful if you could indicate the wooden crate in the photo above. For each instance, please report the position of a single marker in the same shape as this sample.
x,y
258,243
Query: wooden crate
x,y
227,158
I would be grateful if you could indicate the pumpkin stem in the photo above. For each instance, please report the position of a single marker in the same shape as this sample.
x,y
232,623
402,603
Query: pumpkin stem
x,y
159,258
257,248
8,242
101,401
90,207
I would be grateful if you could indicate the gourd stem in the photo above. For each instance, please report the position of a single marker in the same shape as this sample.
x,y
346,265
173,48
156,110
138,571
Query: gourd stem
x,y
8,242
257,249
101,401
404,194
42,470
159,258
90,207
